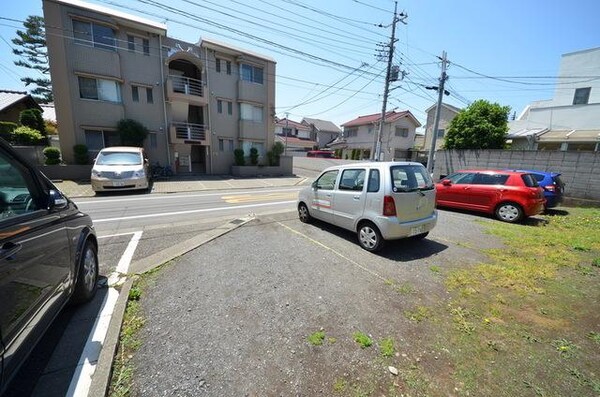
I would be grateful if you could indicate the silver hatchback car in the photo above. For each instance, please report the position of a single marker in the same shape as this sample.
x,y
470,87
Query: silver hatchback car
x,y
378,200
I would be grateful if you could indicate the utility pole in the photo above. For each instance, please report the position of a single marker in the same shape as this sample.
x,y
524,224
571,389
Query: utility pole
x,y
376,153
436,122
287,116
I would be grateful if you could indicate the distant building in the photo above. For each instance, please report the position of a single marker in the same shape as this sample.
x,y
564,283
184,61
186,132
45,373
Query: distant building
x,y
447,113
199,101
397,139
294,136
571,119
322,131
12,103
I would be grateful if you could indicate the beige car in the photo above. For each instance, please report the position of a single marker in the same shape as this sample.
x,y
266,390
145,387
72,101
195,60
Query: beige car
x,y
121,168
379,201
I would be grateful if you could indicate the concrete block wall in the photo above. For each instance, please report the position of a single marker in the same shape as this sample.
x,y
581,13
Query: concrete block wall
x,y
580,170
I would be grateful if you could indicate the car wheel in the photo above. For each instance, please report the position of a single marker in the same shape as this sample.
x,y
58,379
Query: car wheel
x,y
509,212
87,275
369,237
303,213
420,236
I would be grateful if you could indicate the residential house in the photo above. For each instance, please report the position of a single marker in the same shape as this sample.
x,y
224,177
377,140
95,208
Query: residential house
x,y
12,103
570,121
294,136
322,131
447,113
397,138
199,101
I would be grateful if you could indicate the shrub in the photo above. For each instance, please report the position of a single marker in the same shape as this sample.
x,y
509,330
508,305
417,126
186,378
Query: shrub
x,y
254,156
25,136
338,153
33,119
81,154
52,155
132,132
239,157
6,130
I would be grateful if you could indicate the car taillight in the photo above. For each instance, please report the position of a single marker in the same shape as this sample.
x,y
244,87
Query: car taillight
x,y
550,188
389,206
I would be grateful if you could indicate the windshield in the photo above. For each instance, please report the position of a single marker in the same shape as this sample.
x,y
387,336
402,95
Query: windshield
x,y
119,158
407,178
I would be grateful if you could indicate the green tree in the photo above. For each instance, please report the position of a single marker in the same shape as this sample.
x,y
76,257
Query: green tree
x,y
33,54
132,132
482,125
32,118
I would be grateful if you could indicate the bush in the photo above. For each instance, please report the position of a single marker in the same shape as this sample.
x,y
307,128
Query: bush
x,y
25,136
33,119
254,156
81,154
275,153
132,132
52,155
6,130
239,157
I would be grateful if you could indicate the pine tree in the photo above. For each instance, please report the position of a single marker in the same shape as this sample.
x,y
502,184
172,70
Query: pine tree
x,y
33,54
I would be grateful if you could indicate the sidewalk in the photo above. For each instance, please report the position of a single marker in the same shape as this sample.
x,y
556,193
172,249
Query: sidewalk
x,y
190,184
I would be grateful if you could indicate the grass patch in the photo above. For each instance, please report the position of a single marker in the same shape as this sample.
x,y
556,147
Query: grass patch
x,y
594,336
386,347
316,338
435,269
362,339
419,314
340,386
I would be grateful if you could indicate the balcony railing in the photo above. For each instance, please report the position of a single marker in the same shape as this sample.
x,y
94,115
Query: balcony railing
x,y
187,85
190,131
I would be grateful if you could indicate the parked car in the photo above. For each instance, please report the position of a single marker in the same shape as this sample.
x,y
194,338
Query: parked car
x,y
379,201
551,183
121,168
48,257
509,195
324,154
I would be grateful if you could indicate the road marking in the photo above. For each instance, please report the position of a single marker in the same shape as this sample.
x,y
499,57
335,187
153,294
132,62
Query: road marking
x,y
191,211
173,196
247,198
312,240
116,235
82,379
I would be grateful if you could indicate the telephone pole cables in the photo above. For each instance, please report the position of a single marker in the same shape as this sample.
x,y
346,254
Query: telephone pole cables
x,y
436,121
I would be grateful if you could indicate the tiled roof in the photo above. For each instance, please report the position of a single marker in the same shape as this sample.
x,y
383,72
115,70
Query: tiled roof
x,y
447,106
322,125
292,124
9,98
390,117
49,112
297,142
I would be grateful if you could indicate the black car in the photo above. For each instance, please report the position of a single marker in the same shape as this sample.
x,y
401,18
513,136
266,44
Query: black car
x,y
48,258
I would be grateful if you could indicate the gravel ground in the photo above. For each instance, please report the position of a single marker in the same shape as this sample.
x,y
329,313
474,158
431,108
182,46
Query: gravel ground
x,y
232,317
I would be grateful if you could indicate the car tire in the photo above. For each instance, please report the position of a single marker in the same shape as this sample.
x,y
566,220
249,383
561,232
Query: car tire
x,y
369,237
509,212
419,236
303,213
87,274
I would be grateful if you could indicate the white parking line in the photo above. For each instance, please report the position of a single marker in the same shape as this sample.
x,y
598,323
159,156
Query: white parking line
x,y
192,211
82,379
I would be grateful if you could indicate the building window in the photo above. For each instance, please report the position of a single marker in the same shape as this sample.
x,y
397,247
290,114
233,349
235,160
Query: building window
x,y
219,106
286,131
93,34
218,65
251,112
441,133
221,145
152,138
229,108
251,73
350,132
149,95
97,140
401,132
228,65
99,89
582,96
247,145
225,145
130,43
135,94
146,46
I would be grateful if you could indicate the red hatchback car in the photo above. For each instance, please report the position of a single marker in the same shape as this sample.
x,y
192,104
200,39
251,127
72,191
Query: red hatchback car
x,y
509,195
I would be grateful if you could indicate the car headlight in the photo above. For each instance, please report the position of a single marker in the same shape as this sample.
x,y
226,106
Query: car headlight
x,y
96,173
139,173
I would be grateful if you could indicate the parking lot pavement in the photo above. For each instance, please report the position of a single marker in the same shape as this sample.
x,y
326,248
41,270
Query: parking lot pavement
x,y
188,184
232,317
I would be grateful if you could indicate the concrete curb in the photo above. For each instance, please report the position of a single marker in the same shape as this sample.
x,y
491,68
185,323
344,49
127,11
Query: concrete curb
x,y
102,374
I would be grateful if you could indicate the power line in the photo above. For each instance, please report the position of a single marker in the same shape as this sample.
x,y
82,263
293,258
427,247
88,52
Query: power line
x,y
372,6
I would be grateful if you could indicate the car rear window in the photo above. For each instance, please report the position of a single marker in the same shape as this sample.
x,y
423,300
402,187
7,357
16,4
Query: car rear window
x,y
558,181
407,178
529,180
491,179
119,158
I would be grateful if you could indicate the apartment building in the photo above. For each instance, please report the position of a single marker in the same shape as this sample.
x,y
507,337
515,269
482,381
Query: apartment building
x,y
198,101
447,114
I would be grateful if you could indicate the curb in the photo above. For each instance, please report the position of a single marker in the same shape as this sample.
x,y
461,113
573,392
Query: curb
x,y
102,374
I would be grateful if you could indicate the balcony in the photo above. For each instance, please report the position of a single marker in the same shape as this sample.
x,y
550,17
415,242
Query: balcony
x,y
186,89
189,133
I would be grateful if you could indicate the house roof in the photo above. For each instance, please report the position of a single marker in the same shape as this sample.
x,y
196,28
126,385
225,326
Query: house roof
x,y
447,106
321,125
9,98
390,117
295,142
292,124
525,132
49,112
571,136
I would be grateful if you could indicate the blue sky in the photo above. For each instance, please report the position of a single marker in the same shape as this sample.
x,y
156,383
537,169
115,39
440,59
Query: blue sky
x,y
520,41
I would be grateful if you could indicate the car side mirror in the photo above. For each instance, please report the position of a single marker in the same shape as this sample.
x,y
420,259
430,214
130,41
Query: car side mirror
x,y
314,185
56,201
446,182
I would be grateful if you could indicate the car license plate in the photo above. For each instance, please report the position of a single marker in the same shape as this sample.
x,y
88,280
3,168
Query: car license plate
x,y
119,183
416,230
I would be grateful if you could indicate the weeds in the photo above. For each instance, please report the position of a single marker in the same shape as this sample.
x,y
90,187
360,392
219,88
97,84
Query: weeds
x,y
316,338
594,336
386,347
362,339
419,314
